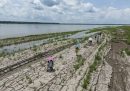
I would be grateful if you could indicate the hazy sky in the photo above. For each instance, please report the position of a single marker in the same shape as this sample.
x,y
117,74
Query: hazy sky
x,y
77,11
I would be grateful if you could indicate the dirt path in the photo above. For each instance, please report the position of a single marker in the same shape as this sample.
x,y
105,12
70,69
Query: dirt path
x,y
119,74
59,82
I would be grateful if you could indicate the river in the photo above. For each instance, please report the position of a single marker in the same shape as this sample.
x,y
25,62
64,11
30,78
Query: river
x,y
18,30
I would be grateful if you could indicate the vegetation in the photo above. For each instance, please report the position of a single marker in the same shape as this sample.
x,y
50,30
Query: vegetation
x,y
84,39
102,46
127,51
35,48
92,68
118,32
29,79
61,57
109,29
17,40
3,54
80,62
126,34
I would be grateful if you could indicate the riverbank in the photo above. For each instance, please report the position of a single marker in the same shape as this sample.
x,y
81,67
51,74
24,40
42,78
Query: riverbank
x,y
102,66
24,39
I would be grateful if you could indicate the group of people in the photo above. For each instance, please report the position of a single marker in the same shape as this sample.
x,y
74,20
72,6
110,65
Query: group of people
x,y
50,59
97,38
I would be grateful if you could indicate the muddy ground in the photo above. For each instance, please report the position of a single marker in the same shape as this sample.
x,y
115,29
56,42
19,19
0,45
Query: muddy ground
x,y
118,63
112,74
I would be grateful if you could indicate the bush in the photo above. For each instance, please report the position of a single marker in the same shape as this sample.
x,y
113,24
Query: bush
x,y
29,79
80,61
127,51
97,57
86,81
128,41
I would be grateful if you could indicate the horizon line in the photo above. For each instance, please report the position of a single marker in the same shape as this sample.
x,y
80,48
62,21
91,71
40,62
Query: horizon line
x,y
60,23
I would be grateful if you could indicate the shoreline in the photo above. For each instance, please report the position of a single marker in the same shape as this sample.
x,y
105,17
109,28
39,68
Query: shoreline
x,y
25,39
81,70
59,23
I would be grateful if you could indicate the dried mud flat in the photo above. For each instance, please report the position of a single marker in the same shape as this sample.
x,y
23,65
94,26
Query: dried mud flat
x,y
111,74
35,77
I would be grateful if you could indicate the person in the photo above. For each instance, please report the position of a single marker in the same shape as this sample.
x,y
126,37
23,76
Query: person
x,y
50,64
77,46
90,40
98,38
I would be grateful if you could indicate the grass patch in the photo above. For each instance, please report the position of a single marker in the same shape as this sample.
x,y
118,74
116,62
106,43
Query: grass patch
x,y
109,29
3,54
127,51
24,39
92,68
102,46
115,40
86,81
29,79
79,62
126,34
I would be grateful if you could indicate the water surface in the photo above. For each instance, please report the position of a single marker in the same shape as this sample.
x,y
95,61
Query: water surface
x,y
16,30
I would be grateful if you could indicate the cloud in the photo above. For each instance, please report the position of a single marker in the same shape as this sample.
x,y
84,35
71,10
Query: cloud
x,y
72,2
37,5
50,3
114,15
61,11
2,3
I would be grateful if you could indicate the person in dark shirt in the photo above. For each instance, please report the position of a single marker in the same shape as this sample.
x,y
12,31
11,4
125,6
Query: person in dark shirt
x,y
50,65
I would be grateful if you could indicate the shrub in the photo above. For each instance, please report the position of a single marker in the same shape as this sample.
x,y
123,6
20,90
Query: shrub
x,y
127,51
80,61
29,79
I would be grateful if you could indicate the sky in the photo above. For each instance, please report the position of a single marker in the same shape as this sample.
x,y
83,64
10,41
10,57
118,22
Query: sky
x,y
66,11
